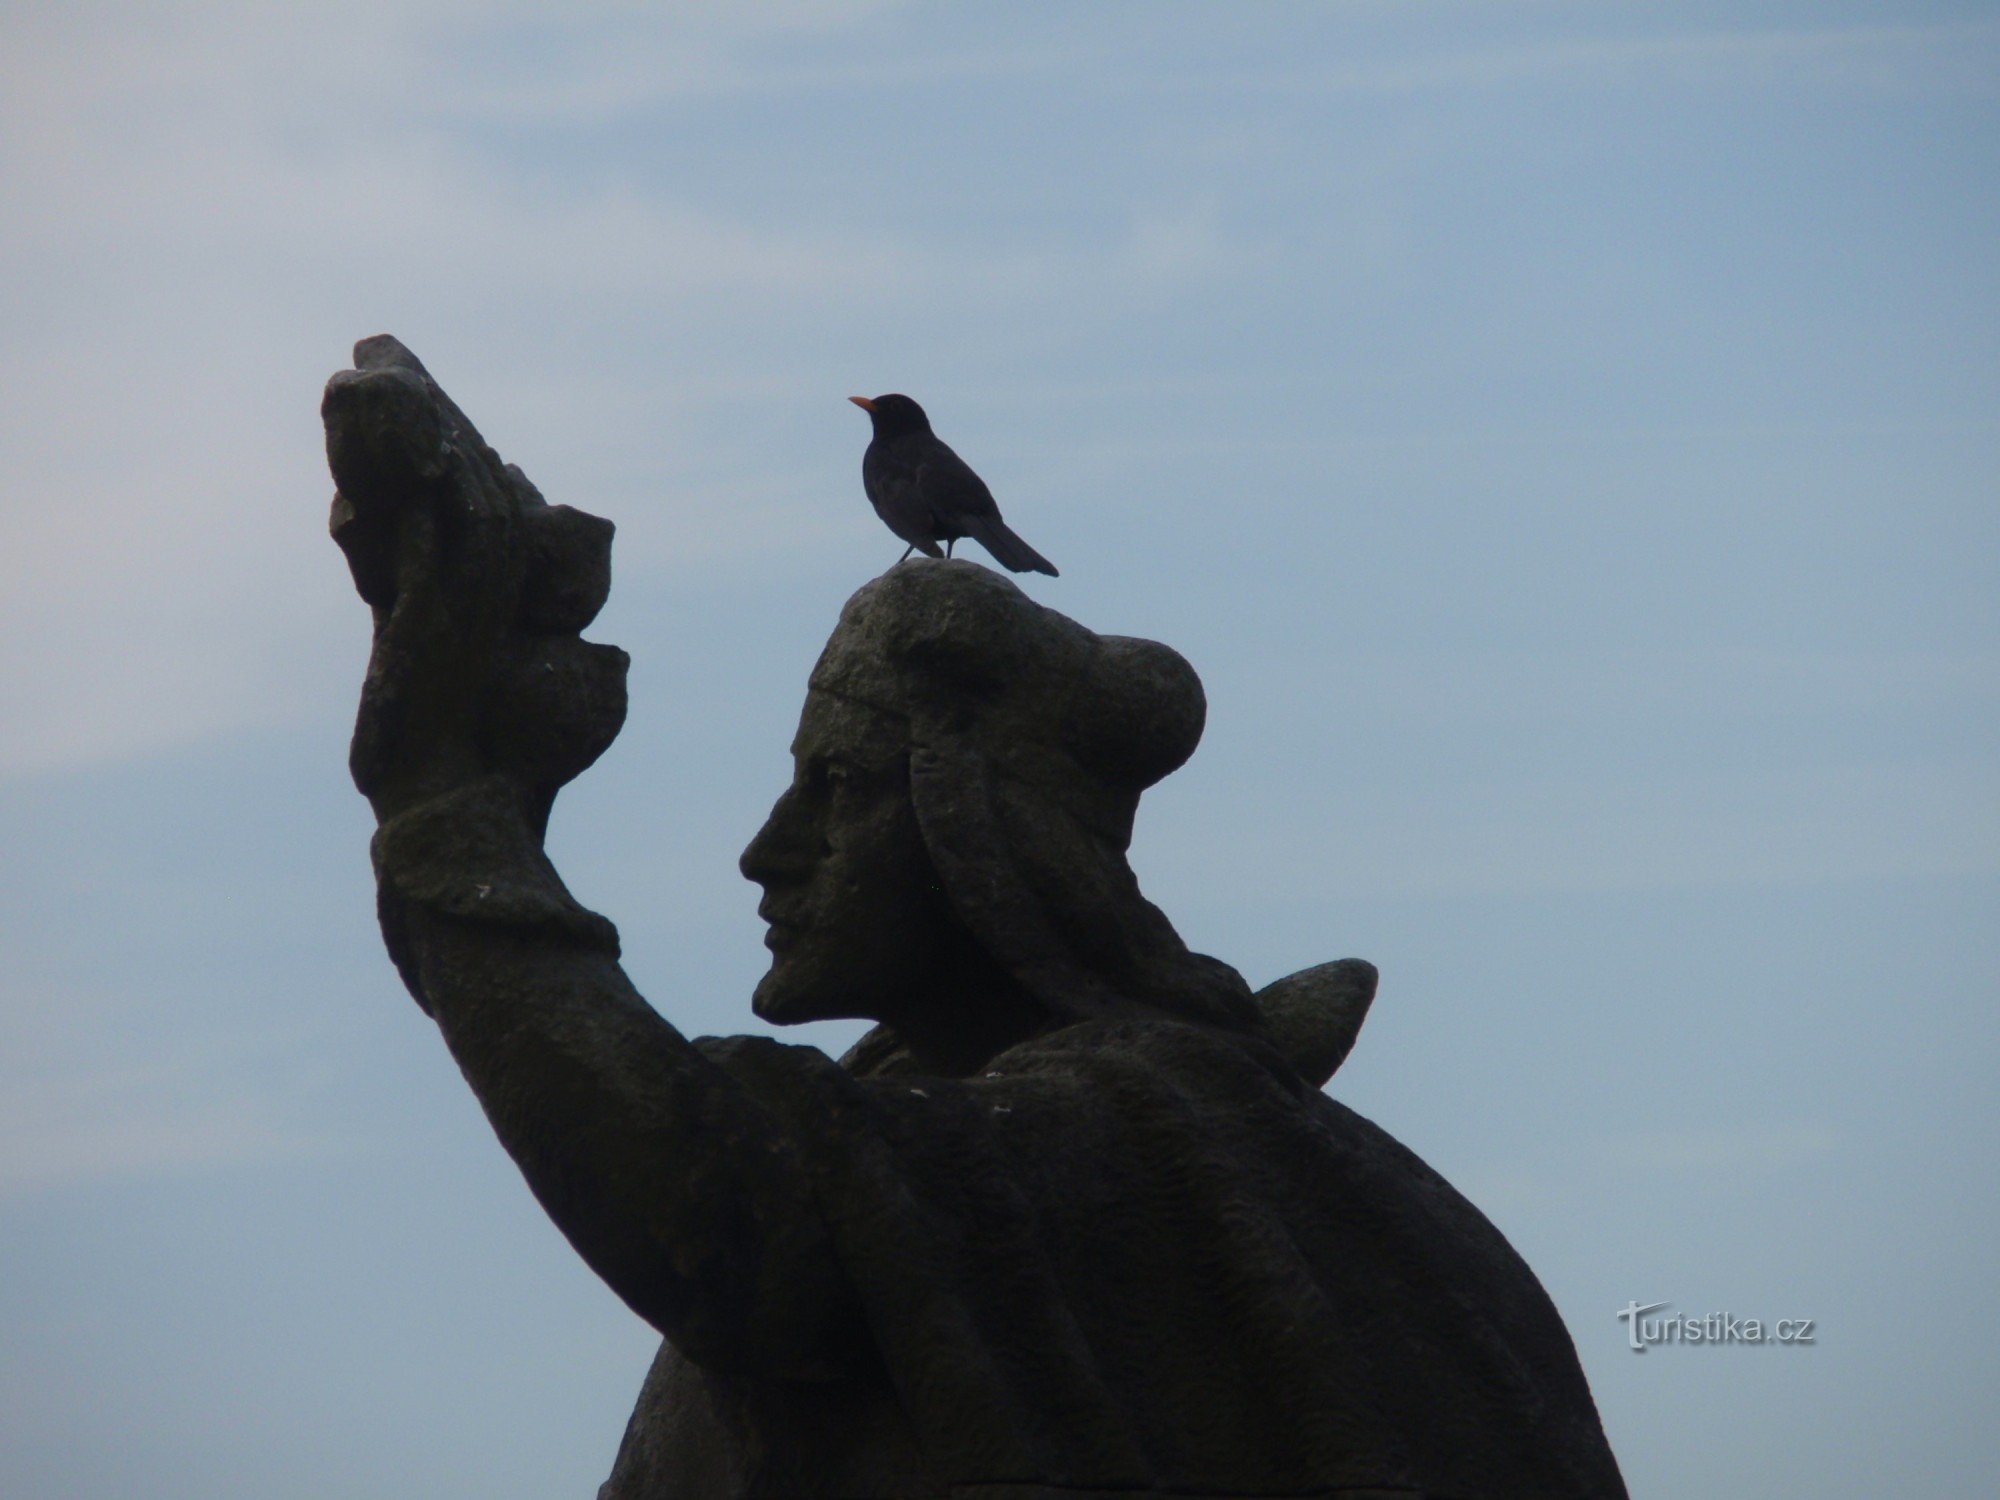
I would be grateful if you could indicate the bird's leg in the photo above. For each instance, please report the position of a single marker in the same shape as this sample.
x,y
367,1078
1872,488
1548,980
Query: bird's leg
x,y
947,545
906,552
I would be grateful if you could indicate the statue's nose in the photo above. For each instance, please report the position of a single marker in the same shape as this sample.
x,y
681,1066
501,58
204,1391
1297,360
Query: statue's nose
x,y
782,847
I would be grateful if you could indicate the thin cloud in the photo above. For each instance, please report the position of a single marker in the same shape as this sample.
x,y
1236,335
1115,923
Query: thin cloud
x,y
195,208
163,475
1943,57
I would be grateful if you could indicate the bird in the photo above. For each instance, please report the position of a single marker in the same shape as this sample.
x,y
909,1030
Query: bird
x,y
927,494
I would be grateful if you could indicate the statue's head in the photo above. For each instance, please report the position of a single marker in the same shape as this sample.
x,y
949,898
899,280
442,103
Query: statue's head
x,y
966,773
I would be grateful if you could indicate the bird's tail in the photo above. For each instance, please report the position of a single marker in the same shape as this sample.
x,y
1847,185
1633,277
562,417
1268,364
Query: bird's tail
x,y
1008,550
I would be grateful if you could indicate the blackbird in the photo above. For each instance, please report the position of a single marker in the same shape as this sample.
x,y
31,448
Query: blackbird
x,y
925,493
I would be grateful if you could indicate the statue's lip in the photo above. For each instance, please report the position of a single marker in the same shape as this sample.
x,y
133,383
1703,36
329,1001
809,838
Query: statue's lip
x,y
781,929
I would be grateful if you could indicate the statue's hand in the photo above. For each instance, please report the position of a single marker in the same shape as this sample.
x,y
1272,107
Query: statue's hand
x,y
479,589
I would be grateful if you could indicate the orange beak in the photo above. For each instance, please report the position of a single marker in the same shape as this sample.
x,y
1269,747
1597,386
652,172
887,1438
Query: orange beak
x,y
863,402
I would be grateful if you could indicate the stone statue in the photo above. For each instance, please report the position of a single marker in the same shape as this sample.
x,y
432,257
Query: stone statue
x,y
1074,1219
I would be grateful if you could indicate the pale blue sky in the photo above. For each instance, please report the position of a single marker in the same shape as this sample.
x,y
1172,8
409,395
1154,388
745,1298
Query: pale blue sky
x,y
1563,436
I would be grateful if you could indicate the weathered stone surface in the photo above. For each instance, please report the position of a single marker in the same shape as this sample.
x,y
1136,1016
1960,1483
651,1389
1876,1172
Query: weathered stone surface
x,y
1313,1016
479,588
1074,1218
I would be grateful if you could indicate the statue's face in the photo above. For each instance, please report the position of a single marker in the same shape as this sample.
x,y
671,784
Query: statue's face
x,y
859,924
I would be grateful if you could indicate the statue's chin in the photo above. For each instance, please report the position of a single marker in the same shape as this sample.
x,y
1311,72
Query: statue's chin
x,y
781,999
767,1001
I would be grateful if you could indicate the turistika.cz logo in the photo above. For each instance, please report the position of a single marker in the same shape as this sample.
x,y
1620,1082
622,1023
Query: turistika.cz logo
x,y
1642,1332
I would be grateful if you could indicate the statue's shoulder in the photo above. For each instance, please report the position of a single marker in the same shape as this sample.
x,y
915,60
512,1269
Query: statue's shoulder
x,y
1131,1058
1310,1020
777,1073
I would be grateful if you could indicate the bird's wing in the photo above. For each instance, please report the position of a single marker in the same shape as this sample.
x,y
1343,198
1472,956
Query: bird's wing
x,y
948,483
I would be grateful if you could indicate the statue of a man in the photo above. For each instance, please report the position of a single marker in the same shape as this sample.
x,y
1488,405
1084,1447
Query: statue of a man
x,y
1074,1219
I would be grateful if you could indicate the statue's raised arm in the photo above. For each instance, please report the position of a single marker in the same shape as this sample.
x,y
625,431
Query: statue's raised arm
x,y
1075,1219
481,701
